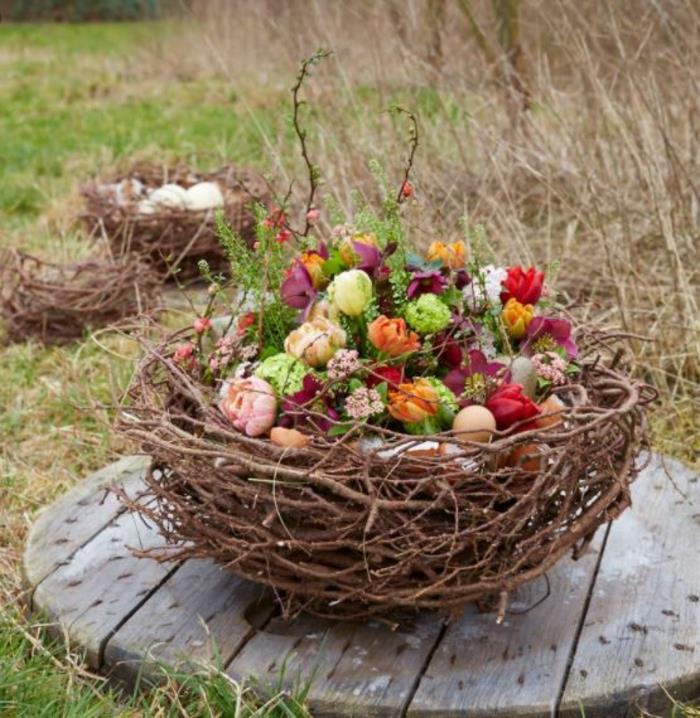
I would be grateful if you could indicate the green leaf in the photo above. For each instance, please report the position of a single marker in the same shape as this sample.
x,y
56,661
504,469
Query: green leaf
x,y
340,429
268,351
354,384
451,296
334,264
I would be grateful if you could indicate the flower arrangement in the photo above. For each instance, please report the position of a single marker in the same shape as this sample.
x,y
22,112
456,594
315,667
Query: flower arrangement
x,y
366,427
361,334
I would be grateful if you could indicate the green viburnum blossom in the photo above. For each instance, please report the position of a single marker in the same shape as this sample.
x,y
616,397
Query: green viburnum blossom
x,y
284,372
427,314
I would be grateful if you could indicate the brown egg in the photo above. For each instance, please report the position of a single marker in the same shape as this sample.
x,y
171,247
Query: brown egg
x,y
551,404
528,458
474,423
288,438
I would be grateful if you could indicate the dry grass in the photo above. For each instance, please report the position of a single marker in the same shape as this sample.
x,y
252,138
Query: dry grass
x,y
600,176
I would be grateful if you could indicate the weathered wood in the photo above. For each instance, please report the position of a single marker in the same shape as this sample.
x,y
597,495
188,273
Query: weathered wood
x,y
642,628
201,613
102,584
78,515
353,669
517,668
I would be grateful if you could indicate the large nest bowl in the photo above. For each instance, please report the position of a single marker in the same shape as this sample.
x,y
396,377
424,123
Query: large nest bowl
x,y
339,529
174,240
56,303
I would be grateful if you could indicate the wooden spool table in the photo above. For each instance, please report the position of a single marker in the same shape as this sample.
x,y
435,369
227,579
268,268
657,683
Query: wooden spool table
x,y
620,628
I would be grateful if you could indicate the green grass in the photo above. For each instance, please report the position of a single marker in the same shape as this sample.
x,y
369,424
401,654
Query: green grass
x,y
76,100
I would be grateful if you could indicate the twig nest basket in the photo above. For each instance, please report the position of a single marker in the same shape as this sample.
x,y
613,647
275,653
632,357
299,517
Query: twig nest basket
x,y
167,215
55,303
355,528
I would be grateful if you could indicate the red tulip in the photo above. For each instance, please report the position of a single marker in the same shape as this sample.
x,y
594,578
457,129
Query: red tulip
x,y
525,286
509,405
392,375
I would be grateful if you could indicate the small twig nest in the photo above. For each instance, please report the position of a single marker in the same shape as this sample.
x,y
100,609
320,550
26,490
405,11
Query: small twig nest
x,y
172,239
342,530
56,303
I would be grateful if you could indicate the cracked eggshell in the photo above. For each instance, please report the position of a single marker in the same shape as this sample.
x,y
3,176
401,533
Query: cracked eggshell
x,y
204,195
171,196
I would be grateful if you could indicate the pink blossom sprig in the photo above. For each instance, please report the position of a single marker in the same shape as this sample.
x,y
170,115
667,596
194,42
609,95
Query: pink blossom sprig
x,y
363,403
343,364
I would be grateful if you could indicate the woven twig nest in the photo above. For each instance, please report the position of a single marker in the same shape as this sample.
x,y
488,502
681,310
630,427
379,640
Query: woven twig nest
x,y
56,303
172,238
338,528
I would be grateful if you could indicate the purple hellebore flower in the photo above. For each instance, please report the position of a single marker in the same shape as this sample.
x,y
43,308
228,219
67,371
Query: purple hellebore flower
x,y
558,330
322,250
429,282
477,363
298,289
293,413
462,278
370,257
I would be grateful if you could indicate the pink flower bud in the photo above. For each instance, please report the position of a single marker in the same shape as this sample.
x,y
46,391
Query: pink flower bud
x,y
184,351
283,236
201,325
312,215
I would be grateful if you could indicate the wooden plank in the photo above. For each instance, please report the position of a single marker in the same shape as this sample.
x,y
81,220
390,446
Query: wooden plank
x,y
353,669
101,585
200,614
72,520
517,668
642,627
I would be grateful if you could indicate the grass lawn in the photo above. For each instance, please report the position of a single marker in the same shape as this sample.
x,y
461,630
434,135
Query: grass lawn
x,y
80,100
71,106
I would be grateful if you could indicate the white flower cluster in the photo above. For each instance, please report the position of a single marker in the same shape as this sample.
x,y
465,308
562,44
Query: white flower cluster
x,y
363,403
478,292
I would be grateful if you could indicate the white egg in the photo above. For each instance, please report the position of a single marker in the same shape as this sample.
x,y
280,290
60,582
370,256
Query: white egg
x,y
204,195
145,206
171,196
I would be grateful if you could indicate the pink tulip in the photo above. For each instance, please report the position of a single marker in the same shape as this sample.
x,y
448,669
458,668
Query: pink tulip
x,y
249,404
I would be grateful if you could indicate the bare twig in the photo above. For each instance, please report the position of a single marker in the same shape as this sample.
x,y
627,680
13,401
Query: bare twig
x,y
312,170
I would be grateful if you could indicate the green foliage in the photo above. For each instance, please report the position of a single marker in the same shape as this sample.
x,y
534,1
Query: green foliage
x,y
82,10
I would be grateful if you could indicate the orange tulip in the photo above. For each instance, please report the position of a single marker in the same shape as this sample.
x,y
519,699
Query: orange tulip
x,y
516,317
392,337
451,255
313,262
414,401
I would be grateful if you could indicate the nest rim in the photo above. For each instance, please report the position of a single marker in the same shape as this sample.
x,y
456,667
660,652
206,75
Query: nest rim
x,y
227,455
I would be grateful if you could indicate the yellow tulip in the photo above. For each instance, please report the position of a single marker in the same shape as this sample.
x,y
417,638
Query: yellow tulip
x,y
516,317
